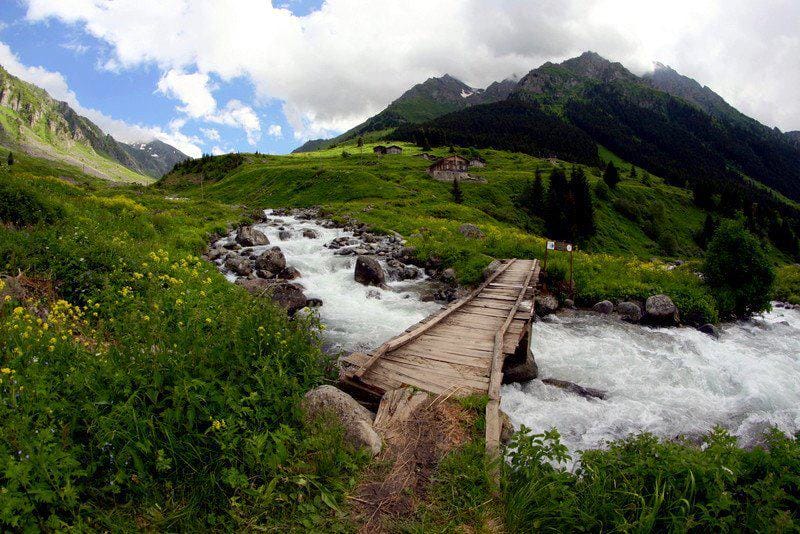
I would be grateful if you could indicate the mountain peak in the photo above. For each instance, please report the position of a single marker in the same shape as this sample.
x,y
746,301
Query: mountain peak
x,y
594,66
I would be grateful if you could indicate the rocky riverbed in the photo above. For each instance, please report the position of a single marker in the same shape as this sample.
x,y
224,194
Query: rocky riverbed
x,y
365,287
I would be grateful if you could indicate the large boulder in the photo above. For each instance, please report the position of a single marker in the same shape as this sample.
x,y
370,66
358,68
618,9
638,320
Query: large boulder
x,y
585,392
369,272
545,305
247,236
310,233
239,265
289,296
604,306
630,311
660,310
271,260
354,418
471,231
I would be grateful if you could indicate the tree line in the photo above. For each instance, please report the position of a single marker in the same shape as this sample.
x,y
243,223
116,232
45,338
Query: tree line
x,y
565,205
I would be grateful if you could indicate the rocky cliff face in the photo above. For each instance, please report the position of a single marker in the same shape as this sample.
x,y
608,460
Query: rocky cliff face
x,y
56,124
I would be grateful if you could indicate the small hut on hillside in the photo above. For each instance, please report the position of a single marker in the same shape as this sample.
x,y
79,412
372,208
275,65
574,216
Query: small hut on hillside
x,y
477,161
450,168
394,149
380,150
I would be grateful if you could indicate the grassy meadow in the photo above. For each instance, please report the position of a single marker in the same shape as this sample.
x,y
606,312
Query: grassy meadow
x,y
393,193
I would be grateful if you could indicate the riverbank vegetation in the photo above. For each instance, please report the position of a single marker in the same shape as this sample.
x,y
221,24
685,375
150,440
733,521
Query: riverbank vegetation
x,y
141,390
628,236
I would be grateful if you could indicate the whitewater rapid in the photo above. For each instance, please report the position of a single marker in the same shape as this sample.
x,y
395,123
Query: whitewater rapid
x,y
353,322
669,382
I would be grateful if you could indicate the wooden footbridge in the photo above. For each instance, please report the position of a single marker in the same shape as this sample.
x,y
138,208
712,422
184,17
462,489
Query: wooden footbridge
x,y
461,350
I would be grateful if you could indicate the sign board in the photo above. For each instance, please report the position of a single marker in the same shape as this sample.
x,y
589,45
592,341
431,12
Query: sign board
x,y
561,246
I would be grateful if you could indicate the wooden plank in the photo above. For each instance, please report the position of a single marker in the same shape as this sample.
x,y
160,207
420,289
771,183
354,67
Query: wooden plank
x,y
452,369
483,344
423,380
397,342
479,363
433,375
496,375
429,344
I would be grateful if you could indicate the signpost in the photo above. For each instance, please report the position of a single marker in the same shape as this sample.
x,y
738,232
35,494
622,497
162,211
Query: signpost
x,y
561,246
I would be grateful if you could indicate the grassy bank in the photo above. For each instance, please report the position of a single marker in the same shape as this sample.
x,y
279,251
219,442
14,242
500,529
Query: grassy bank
x,y
393,193
140,389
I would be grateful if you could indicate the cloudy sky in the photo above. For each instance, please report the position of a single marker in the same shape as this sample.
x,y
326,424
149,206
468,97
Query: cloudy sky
x,y
225,75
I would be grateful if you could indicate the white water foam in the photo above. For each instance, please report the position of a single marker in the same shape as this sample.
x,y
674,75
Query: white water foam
x,y
353,322
666,381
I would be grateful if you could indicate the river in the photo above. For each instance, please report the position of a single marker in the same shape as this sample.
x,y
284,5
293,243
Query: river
x,y
670,382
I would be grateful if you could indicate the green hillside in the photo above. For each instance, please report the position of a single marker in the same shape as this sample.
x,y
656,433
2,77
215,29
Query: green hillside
x,y
34,123
393,193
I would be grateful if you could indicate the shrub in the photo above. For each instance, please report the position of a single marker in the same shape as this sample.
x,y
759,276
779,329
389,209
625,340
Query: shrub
x,y
22,205
787,285
641,484
738,271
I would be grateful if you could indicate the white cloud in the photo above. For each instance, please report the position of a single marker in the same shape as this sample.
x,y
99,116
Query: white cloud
x,y
211,134
192,89
238,115
56,86
349,58
218,151
195,91
78,48
275,131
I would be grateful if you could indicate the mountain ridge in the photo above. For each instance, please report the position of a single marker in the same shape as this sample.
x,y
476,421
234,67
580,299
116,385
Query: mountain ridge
x,y
36,123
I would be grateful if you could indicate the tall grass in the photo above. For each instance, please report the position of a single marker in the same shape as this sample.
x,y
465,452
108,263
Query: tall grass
x,y
145,391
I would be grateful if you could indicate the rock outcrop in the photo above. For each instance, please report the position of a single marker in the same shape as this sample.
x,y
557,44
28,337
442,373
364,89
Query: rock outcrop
x,y
471,231
356,420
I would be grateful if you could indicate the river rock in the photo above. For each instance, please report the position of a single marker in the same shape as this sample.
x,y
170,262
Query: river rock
x,y
604,306
569,304
471,231
284,235
290,273
710,329
586,393
449,276
248,236
521,372
661,310
310,233
630,311
271,260
287,295
409,273
215,253
314,302
374,294
491,268
545,305
369,272
238,265
354,418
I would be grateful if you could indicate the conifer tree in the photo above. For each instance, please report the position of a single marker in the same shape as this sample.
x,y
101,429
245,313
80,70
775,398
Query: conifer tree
x,y
611,176
555,211
633,174
537,194
360,144
10,159
583,209
458,196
